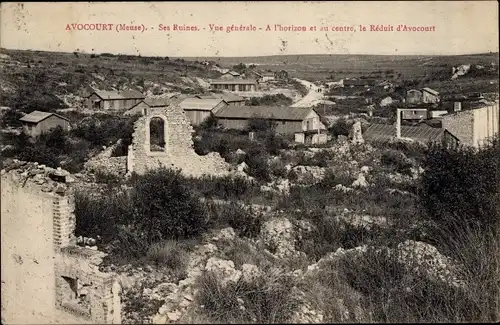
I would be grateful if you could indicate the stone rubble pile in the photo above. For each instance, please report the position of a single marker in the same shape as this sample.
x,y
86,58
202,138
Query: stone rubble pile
x,y
278,235
49,179
116,166
305,173
429,261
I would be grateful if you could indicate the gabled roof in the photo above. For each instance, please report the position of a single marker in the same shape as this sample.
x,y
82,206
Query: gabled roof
x,y
422,133
126,94
266,112
38,116
431,91
199,104
234,82
232,73
413,90
156,102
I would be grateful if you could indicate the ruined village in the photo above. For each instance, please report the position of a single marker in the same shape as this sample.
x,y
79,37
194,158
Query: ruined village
x,y
304,189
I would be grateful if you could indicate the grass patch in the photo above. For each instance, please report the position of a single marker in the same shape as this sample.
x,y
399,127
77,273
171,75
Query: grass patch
x,y
268,299
170,254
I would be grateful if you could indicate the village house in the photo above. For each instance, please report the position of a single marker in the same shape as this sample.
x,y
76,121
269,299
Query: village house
x,y
430,96
242,85
199,109
267,76
415,114
229,75
425,95
287,120
113,100
261,77
473,127
414,96
144,106
37,122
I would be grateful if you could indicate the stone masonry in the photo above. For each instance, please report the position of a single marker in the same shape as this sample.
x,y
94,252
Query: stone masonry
x,y
46,278
178,152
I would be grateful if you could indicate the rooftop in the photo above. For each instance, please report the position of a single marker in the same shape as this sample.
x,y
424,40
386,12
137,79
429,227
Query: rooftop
x,y
234,82
233,73
127,94
267,112
201,104
431,91
38,116
156,102
385,132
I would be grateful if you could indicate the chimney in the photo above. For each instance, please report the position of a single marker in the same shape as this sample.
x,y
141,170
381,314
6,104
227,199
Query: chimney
x,y
398,123
457,106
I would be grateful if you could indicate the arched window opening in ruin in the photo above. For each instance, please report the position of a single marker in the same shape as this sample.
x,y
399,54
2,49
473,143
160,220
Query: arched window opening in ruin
x,y
157,135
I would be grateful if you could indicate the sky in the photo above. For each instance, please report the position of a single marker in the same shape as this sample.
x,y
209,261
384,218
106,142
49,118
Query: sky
x,y
456,27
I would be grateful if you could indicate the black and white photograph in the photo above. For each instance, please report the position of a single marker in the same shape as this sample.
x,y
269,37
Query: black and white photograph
x,y
249,162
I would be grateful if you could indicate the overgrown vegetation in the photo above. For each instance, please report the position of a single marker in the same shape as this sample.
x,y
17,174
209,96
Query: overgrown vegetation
x,y
70,149
267,299
257,152
144,217
270,100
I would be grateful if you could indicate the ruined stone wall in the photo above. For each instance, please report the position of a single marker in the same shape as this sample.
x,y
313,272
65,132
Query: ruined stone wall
x,y
178,153
461,125
27,253
38,250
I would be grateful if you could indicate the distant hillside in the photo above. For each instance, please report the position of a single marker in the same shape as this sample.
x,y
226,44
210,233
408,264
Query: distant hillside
x,y
317,67
49,80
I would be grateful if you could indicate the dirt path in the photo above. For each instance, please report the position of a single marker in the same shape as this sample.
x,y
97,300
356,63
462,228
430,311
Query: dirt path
x,y
312,98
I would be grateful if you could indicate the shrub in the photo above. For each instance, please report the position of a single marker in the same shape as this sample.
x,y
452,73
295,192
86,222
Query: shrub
x,y
274,143
11,118
210,123
258,163
269,299
171,254
165,206
340,127
270,100
243,221
326,288
100,215
106,178
399,294
241,252
460,186
331,179
460,196
397,160
329,234
225,187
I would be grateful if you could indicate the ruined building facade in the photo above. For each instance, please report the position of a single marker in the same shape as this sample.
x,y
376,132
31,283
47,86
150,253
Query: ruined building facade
x,y
177,151
46,277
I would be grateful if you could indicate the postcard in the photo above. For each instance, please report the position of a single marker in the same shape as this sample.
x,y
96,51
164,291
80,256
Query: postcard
x,y
249,162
